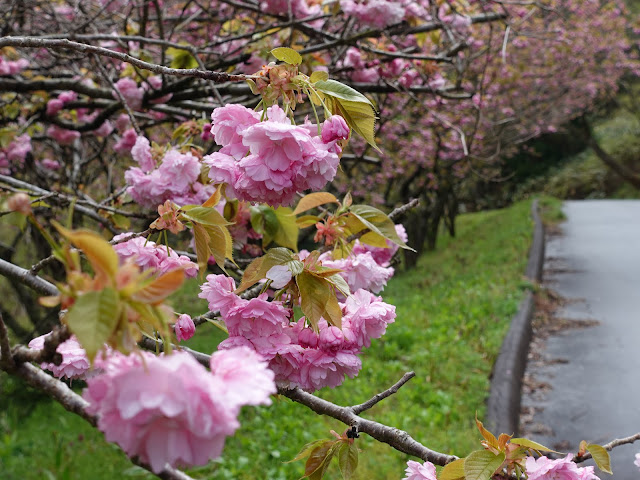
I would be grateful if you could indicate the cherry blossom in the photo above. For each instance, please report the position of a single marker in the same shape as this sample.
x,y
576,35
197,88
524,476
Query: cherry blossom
x,y
184,327
75,363
417,471
560,469
168,409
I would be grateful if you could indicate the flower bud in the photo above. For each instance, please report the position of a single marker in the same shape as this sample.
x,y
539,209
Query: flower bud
x,y
20,202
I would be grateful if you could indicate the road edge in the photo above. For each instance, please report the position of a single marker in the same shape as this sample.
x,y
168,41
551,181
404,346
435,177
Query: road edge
x,y
503,406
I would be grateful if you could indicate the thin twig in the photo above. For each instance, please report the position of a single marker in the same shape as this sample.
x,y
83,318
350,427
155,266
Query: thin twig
x,y
378,397
610,446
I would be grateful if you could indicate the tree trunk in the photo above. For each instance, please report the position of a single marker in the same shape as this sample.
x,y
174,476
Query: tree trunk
x,y
416,226
625,172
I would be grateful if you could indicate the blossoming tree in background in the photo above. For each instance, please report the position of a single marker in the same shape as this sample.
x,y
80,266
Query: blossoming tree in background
x,y
146,142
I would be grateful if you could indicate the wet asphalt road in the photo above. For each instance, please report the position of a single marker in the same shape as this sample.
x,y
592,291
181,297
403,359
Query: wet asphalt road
x,y
595,395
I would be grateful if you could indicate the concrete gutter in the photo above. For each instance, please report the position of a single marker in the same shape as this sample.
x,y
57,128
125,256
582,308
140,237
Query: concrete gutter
x,y
503,407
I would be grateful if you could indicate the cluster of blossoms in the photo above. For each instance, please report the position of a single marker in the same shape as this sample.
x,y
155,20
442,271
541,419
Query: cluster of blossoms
x,y
541,468
176,179
366,267
416,471
134,95
14,153
12,67
360,270
168,409
362,70
148,255
298,8
299,356
271,160
562,469
56,104
75,363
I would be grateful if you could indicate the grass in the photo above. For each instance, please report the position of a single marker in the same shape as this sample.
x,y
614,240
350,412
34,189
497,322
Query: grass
x,y
453,311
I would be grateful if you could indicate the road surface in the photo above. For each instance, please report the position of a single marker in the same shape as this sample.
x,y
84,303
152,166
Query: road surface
x,y
592,367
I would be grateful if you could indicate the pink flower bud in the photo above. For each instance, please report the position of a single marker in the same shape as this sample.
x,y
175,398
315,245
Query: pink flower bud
x,y
184,327
20,202
334,128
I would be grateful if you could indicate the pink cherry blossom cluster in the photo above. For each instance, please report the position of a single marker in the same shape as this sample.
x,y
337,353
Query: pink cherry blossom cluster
x,y
299,356
561,469
168,409
56,104
134,95
271,160
14,154
361,70
360,270
176,179
12,67
130,91
375,13
365,267
417,471
383,256
148,255
298,8
75,363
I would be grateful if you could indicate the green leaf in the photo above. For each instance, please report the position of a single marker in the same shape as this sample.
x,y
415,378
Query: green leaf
x,y
101,255
295,267
181,58
318,76
203,252
340,283
360,117
524,442
341,91
221,243
313,200
159,288
120,221
93,318
378,222
348,460
260,266
489,437
482,464
307,220
203,215
6,137
307,449
287,233
453,470
318,300
318,457
287,55
601,457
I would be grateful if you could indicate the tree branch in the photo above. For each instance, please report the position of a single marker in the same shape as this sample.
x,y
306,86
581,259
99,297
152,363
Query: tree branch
x,y
25,277
394,437
37,42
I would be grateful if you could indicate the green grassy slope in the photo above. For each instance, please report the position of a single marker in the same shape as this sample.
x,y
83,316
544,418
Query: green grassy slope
x,y
453,311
